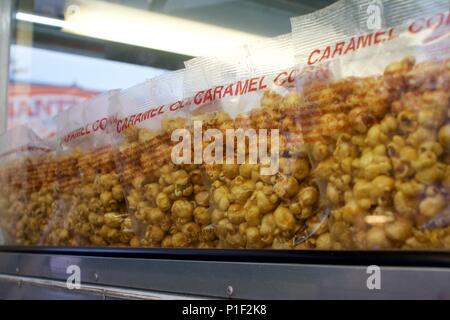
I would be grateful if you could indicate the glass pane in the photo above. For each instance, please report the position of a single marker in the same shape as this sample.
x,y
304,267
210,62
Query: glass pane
x,y
110,140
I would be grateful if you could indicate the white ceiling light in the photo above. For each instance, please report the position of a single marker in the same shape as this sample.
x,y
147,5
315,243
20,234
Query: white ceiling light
x,y
40,20
102,20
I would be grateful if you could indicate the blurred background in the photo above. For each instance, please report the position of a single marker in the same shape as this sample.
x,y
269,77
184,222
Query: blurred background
x,y
61,52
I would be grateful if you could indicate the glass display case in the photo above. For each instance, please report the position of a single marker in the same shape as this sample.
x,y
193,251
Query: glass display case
x,y
136,137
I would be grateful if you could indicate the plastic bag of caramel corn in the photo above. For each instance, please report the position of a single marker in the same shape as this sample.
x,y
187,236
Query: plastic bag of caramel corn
x,y
260,194
148,122
89,207
378,131
26,186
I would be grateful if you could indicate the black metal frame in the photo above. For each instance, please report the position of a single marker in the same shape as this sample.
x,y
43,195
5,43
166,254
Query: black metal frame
x,y
351,258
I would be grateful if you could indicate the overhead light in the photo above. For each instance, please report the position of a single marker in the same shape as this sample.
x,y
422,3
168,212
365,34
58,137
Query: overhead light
x,y
40,20
117,23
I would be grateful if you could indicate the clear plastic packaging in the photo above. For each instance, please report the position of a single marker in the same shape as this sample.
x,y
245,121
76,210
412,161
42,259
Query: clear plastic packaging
x,y
376,127
90,207
159,192
26,173
260,192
